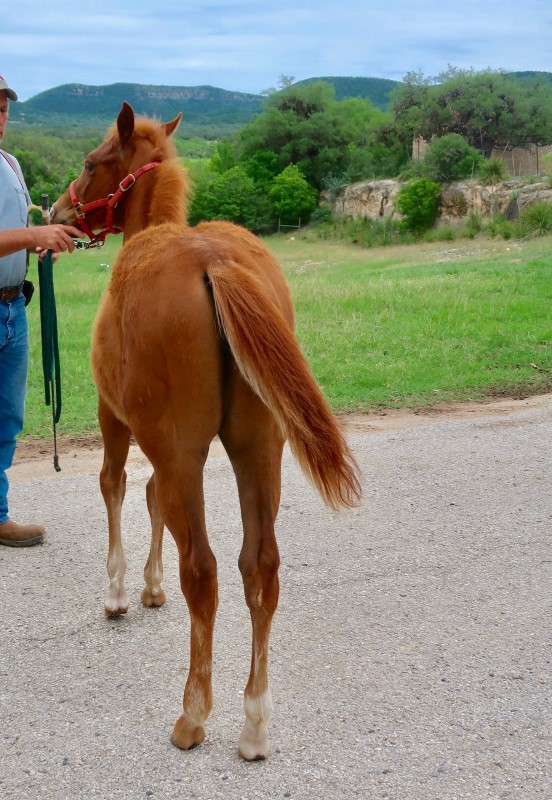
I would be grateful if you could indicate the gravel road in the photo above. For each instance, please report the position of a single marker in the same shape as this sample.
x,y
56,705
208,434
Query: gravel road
x,y
411,651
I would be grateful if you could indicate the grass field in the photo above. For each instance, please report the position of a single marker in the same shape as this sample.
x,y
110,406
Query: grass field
x,y
391,327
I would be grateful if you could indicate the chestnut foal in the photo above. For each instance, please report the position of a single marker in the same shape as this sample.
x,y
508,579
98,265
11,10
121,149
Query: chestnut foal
x,y
194,339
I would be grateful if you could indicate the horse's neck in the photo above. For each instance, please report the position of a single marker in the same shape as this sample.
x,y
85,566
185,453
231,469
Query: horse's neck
x,y
137,214
161,199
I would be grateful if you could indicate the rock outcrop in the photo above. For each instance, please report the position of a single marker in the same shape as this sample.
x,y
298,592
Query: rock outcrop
x,y
373,199
377,199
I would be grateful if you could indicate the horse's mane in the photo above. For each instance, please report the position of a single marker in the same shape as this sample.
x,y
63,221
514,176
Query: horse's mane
x,y
169,202
148,128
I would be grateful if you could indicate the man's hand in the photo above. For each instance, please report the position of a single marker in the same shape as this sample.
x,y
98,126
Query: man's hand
x,y
58,238
39,239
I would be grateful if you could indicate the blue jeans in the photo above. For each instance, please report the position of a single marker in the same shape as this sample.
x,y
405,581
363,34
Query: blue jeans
x,y
14,362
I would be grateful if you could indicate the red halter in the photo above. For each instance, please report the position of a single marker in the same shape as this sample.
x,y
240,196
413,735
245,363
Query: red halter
x,y
109,202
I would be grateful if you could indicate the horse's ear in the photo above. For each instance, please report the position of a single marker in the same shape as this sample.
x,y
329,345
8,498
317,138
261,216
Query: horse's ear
x,y
125,123
171,126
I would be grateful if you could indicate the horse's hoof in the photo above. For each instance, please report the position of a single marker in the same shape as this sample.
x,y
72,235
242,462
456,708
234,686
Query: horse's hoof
x,y
253,746
187,734
114,612
153,600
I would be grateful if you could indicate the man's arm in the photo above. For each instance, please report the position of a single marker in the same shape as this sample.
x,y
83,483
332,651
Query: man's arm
x,y
47,237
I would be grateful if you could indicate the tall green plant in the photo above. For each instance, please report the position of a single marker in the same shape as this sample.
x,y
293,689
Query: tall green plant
x,y
418,202
492,171
291,195
536,219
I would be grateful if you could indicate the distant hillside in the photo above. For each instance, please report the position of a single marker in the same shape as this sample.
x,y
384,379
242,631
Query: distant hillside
x,y
208,112
205,108
76,104
377,90
545,77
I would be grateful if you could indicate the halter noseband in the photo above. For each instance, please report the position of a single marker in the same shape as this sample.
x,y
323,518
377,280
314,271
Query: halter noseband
x,y
109,203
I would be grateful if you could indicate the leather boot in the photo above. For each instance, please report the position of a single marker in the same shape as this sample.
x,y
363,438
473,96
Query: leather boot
x,y
14,535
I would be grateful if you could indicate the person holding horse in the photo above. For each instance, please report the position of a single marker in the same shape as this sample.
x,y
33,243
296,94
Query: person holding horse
x,y
16,240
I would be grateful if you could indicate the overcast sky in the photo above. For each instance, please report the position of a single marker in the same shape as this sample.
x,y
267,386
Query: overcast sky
x,y
247,45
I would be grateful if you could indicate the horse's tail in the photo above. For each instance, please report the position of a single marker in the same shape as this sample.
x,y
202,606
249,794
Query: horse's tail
x,y
269,358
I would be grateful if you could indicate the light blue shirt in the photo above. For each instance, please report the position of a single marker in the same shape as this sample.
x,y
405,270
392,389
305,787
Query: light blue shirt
x,y
13,214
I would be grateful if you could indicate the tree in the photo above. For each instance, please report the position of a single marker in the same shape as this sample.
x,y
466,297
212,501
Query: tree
x,y
304,125
231,196
291,196
224,157
48,161
262,168
486,108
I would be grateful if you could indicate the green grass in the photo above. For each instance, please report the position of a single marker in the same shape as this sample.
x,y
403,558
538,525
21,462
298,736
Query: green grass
x,y
399,326
79,281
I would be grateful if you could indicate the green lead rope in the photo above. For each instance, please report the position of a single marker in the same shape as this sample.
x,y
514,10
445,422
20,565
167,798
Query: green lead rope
x,y
50,345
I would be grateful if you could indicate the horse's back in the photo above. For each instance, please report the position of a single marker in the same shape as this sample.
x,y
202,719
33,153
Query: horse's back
x,y
156,341
155,345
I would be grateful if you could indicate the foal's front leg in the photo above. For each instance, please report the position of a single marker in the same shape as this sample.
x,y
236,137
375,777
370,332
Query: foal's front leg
x,y
116,438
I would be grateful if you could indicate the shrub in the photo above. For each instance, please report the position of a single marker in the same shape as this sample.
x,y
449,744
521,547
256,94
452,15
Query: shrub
x,y
440,234
334,184
448,158
492,171
418,202
500,226
451,158
473,226
322,214
416,168
536,218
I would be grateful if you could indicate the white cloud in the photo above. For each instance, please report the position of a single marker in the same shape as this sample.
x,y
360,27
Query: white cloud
x,y
246,46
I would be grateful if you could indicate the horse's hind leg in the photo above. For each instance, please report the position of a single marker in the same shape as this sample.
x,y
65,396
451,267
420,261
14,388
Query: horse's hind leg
x,y
153,593
179,491
254,445
116,438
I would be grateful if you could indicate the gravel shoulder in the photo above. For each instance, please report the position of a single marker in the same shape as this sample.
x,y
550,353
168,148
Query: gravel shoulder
x,y
411,653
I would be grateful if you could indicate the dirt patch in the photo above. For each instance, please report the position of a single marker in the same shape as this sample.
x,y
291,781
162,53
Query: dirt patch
x,y
83,455
397,419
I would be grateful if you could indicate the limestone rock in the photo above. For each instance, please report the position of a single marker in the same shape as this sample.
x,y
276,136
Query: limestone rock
x,y
373,199
459,200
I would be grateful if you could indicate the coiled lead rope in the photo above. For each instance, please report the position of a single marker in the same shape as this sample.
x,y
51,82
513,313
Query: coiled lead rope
x,y
50,344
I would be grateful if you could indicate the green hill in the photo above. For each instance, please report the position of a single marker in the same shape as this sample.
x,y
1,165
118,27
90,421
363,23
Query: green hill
x,y
377,90
208,111
205,108
75,104
544,77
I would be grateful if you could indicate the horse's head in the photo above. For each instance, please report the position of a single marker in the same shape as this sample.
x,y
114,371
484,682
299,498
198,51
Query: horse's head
x,y
132,148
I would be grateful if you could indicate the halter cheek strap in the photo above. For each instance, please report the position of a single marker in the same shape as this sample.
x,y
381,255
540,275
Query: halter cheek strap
x,y
109,203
